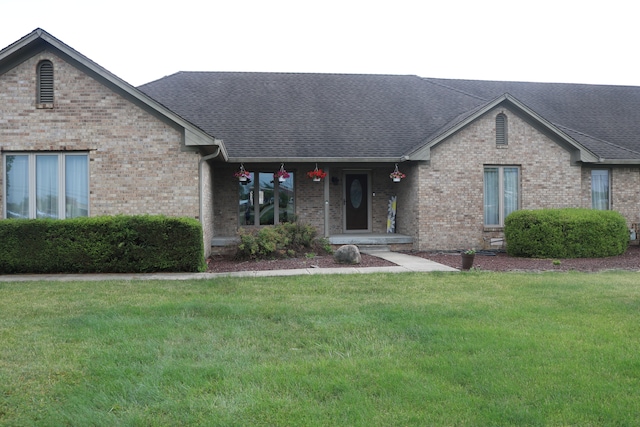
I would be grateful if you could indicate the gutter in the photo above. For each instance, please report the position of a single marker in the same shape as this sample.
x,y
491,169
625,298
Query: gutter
x,y
318,159
603,161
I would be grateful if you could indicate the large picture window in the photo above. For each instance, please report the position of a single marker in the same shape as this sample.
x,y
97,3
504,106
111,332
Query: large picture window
x,y
501,193
46,185
600,194
266,201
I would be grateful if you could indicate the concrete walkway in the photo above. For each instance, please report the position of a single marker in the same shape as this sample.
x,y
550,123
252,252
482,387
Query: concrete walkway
x,y
405,263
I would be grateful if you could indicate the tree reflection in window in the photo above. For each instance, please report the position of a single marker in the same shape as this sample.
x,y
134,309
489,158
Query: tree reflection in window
x,y
264,200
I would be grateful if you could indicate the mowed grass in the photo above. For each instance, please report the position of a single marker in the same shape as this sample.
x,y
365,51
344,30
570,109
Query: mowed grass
x,y
474,349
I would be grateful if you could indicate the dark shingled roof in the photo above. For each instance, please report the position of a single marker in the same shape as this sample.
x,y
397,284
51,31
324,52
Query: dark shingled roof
x,y
605,119
280,115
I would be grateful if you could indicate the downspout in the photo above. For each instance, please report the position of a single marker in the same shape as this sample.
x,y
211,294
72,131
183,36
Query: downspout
x,y
200,186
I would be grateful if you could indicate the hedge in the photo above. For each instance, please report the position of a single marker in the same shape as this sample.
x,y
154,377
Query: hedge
x,y
106,244
566,233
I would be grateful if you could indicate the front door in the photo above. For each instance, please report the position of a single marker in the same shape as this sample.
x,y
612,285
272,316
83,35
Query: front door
x,y
356,202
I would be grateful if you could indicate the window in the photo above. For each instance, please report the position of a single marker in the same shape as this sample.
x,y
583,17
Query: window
x,y
600,194
266,201
501,193
45,84
46,185
501,129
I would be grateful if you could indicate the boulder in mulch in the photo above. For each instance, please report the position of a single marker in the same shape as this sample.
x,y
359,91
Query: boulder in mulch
x,y
347,254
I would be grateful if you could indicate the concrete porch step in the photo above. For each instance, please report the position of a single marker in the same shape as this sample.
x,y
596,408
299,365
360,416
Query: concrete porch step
x,y
370,239
367,249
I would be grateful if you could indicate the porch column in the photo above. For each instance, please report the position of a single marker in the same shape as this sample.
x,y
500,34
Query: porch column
x,y
326,203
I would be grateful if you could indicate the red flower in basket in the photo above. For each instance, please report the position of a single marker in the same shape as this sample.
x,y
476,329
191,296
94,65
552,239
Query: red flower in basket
x,y
316,174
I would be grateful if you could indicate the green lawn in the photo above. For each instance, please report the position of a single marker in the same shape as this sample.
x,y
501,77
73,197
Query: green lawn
x,y
465,349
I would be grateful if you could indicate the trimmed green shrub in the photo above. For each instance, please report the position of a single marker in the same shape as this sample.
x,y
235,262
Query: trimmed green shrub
x,y
279,241
566,233
106,244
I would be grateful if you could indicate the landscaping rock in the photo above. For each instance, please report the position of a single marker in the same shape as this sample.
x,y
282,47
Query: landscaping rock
x,y
347,254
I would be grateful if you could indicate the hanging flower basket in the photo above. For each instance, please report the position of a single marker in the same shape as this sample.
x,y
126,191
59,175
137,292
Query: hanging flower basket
x,y
396,175
282,174
242,174
317,174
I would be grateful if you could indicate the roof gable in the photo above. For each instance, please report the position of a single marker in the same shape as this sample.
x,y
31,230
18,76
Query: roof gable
x,y
578,151
604,119
39,40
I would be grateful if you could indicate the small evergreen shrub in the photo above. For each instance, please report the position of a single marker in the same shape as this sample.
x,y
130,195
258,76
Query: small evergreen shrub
x,y
566,233
288,239
106,244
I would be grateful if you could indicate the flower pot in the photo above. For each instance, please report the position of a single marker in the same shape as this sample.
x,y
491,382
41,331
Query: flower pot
x,y
282,179
243,179
396,179
316,179
467,261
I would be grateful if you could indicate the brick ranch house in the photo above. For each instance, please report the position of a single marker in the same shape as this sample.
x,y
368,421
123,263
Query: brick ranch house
x,y
76,140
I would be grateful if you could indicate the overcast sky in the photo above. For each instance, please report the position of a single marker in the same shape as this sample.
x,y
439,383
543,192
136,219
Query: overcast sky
x,y
570,41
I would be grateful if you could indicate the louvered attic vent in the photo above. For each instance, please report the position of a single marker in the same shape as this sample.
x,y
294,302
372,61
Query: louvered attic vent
x,y
45,83
501,129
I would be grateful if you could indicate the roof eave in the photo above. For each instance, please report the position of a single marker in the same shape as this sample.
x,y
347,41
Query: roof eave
x,y
20,44
316,159
603,161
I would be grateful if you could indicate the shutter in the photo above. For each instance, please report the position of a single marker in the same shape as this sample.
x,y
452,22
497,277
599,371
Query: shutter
x,y
45,83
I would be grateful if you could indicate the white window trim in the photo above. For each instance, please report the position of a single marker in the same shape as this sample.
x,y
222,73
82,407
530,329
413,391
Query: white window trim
x,y
32,180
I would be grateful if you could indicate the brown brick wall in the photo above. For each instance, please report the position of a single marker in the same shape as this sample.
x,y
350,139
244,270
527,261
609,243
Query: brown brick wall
x,y
382,187
137,163
625,190
225,200
408,206
451,186
440,203
309,197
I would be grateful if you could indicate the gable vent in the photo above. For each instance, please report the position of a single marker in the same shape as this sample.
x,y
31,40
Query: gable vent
x,y
501,129
45,82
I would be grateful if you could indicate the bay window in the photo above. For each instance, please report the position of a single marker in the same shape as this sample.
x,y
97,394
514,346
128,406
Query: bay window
x,y
501,193
46,185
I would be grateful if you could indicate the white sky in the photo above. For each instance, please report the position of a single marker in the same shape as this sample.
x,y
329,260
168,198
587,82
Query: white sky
x,y
574,41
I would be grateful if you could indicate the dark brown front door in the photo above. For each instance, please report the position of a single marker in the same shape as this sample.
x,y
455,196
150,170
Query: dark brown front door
x,y
356,202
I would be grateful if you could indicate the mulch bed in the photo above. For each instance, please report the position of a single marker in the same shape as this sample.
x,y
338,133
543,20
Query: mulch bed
x,y
630,260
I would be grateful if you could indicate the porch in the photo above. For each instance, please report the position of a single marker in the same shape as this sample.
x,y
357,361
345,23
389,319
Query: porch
x,y
391,241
